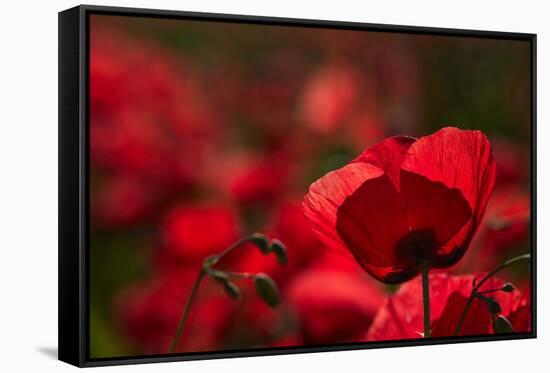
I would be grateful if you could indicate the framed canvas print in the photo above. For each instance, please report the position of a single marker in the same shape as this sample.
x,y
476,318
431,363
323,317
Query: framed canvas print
x,y
238,186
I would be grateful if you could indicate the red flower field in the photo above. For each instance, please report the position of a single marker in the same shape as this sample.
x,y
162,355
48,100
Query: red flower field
x,y
265,187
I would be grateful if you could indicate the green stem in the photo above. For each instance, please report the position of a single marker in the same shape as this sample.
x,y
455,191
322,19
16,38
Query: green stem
x,y
480,283
426,298
185,314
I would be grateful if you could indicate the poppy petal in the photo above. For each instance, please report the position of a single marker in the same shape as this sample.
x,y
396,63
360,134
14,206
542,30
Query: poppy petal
x,y
371,222
446,325
401,316
478,320
327,194
460,159
454,249
435,213
388,155
394,274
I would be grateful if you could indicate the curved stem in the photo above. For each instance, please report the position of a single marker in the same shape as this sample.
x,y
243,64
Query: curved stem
x,y
463,315
480,283
426,298
185,314
489,291
501,267
236,245
216,258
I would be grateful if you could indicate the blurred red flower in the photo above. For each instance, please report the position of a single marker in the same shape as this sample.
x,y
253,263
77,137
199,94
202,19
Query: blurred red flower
x,y
328,97
149,122
401,316
338,260
507,219
260,182
504,229
333,306
192,232
406,201
149,312
120,201
291,227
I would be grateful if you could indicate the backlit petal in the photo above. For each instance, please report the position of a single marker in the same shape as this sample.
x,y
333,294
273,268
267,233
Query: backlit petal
x,y
325,196
372,221
460,159
435,214
388,155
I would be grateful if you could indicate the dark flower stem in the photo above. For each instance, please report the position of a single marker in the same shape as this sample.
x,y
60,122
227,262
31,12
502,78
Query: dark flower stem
x,y
191,298
235,246
489,291
426,298
186,310
480,283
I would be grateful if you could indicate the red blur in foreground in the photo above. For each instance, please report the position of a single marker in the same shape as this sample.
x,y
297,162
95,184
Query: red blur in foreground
x,y
405,201
401,317
334,306
149,312
149,124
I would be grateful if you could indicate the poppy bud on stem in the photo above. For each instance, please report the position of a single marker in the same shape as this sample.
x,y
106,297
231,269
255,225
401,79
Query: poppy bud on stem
x,y
426,298
268,289
477,286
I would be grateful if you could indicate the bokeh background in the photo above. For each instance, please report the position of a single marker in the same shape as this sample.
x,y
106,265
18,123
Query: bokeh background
x,y
202,132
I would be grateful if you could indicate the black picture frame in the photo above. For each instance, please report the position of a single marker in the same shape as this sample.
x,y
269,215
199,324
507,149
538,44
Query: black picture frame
x,y
74,189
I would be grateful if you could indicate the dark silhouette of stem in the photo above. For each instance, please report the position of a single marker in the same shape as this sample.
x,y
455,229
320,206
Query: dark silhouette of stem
x,y
185,313
480,283
191,298
235,246
426,298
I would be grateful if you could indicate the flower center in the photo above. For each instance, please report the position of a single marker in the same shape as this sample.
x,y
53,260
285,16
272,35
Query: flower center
x,y
417,246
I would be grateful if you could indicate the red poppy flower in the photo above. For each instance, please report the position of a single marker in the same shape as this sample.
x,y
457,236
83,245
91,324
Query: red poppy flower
x,y
406,201
337,311
401,317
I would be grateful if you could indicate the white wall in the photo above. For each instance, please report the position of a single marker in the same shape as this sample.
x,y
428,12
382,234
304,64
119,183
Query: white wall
x,y
28,183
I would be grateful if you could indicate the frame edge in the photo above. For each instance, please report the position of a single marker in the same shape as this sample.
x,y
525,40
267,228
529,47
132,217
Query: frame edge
x,y
69,222
72,97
